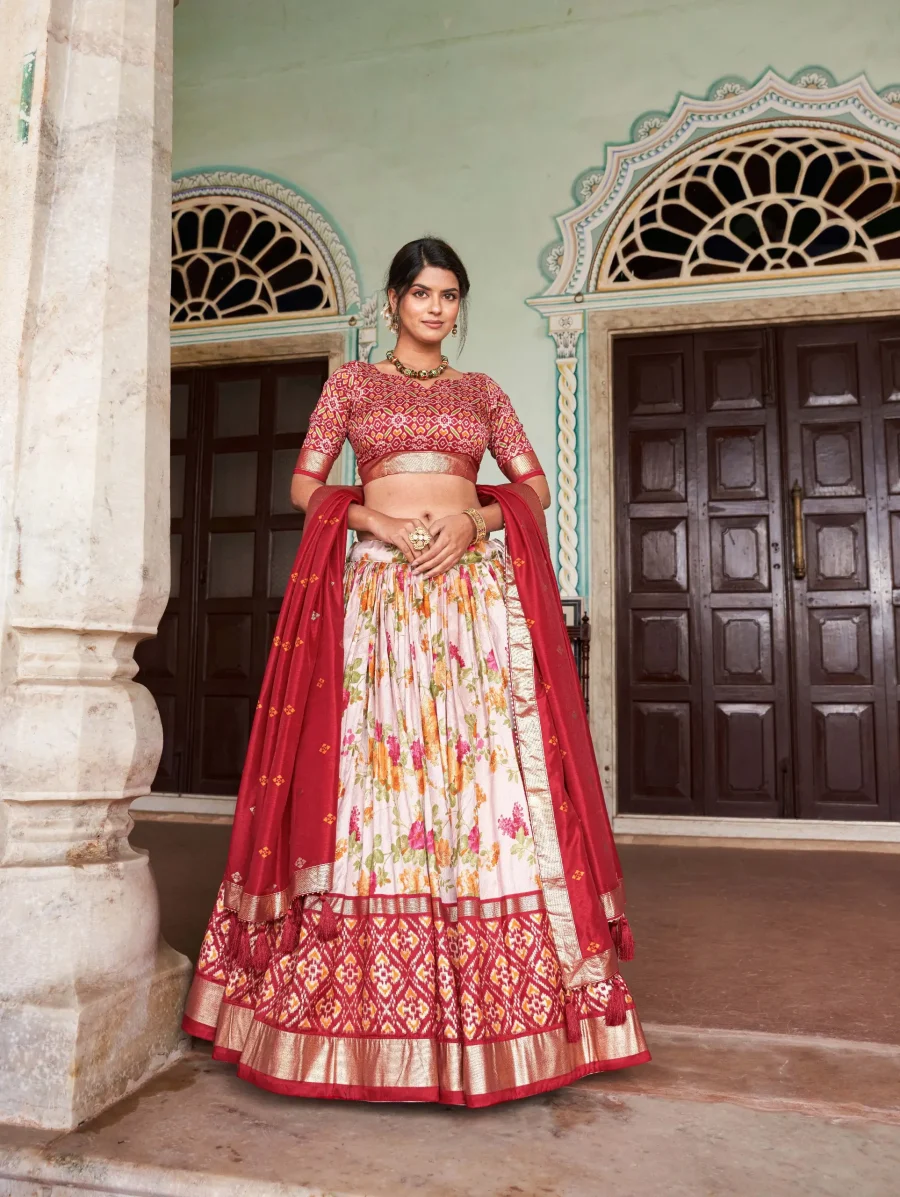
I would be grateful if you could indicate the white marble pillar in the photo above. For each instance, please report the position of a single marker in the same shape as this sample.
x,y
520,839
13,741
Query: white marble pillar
x,y
90,997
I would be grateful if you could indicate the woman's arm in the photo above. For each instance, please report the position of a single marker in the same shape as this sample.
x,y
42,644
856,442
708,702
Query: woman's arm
x,y
541,488
359,518
363,519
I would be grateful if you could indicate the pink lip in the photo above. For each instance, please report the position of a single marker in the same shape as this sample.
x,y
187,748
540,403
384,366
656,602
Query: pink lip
x,y
433,323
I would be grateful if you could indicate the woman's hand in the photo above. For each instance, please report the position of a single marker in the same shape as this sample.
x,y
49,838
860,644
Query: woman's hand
x,y
396,532
451,536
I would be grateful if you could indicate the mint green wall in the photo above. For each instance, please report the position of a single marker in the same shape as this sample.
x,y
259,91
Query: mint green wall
x,y
471,119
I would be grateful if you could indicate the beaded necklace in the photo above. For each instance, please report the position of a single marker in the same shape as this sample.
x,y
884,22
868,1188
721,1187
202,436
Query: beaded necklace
x,y
408,371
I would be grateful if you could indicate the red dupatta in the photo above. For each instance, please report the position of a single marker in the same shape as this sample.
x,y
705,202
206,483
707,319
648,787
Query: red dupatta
x,y
283,840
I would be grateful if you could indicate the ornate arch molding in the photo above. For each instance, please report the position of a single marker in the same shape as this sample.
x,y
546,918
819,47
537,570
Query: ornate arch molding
x,y
812,115
251,248
684,212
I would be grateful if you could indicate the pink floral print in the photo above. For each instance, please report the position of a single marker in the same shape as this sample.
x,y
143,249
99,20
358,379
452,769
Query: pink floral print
x,y
431,798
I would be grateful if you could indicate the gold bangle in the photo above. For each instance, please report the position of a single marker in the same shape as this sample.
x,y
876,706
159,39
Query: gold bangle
x,y
478,520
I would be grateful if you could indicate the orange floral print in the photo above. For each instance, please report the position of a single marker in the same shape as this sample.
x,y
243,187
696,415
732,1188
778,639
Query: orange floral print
x,y
428,769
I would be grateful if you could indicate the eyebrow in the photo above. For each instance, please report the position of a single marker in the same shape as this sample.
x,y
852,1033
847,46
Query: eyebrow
x,y
422,287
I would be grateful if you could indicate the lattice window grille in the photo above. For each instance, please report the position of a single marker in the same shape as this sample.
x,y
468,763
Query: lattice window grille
x,y
237,259
791,200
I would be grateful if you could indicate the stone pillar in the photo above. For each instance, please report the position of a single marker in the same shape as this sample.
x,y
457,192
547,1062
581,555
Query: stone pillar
x,y
90,997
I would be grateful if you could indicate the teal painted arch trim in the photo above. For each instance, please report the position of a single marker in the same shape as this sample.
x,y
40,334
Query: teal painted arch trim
x,y
295,204
811,91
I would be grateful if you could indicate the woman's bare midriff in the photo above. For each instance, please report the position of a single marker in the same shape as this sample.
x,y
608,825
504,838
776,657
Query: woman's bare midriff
x,y
419,496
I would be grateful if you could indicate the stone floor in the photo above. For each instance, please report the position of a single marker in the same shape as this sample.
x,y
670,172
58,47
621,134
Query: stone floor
x,y
196,1131
767,981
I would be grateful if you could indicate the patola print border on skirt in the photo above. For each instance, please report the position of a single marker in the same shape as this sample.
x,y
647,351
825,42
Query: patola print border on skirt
x,y
417,1069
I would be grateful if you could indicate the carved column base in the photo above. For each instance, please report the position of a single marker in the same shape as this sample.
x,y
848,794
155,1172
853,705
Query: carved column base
x,y
65,1063
90,997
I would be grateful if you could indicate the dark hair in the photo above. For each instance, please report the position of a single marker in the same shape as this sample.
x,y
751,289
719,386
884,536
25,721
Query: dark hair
x,y
409,262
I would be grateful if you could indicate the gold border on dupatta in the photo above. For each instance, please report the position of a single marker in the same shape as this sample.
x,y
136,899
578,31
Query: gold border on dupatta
x,y
479,1069
265,908
577,969
614,902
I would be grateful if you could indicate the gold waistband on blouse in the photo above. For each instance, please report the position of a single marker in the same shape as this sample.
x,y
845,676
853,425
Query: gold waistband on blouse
x,y
457,464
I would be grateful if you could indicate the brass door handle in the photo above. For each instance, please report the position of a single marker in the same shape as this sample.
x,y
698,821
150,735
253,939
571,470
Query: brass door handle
x,y
799,548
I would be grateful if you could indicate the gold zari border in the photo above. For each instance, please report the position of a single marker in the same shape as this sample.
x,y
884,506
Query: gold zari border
x,y
476,1069
456,464
316,464
204,1001
525,465
265,908
235,1025
614,902
449,912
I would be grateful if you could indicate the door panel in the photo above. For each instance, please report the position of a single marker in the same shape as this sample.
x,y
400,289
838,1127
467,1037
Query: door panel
x,y
698,458
740,607
842,737
659,673
236,433
744,689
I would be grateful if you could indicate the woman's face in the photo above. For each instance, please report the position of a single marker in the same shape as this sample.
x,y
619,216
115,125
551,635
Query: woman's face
x,y
430,307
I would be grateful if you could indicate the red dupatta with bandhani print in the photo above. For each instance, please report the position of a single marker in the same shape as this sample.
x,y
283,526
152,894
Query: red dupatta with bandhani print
x,y
283,841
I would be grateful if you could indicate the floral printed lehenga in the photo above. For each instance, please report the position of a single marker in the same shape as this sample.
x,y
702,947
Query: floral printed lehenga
x,y
422,901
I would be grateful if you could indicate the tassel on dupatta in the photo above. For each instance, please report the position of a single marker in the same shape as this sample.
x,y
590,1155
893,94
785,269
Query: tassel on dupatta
x,y
327,928
622,938
616,1011
290,933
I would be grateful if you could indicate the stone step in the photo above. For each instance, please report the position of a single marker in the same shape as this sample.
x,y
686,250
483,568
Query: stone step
x,y
716,1112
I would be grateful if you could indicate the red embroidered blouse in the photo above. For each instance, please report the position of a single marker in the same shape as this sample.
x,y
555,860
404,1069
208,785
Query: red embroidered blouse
x,y
397,426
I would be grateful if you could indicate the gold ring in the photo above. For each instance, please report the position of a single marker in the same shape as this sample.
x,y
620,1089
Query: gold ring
x,y
420,538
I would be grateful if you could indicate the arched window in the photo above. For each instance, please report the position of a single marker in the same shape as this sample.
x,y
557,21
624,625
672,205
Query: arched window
x,y
796,200
245,247
796,180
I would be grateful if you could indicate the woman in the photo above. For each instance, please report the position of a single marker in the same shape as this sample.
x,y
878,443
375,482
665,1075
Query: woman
x,y
422,901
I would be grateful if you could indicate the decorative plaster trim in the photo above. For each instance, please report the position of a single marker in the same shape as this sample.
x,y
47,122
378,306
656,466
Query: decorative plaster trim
x,y
368,329
565,331
293,205
252,330
810,98
676,293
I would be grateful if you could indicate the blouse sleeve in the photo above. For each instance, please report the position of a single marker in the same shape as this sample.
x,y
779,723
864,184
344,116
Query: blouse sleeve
x,y
509,444
327,427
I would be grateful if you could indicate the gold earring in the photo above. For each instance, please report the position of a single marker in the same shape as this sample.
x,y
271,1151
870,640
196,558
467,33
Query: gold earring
x,y
455,330
395,323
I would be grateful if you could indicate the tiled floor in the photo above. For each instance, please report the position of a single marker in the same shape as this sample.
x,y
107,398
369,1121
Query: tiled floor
x,y
778,941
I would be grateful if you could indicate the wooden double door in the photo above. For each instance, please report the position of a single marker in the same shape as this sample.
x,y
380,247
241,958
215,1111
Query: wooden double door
x,y
758,549
236,433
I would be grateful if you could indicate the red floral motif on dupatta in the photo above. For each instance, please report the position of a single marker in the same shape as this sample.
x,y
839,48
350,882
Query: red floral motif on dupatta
x,y
282,844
